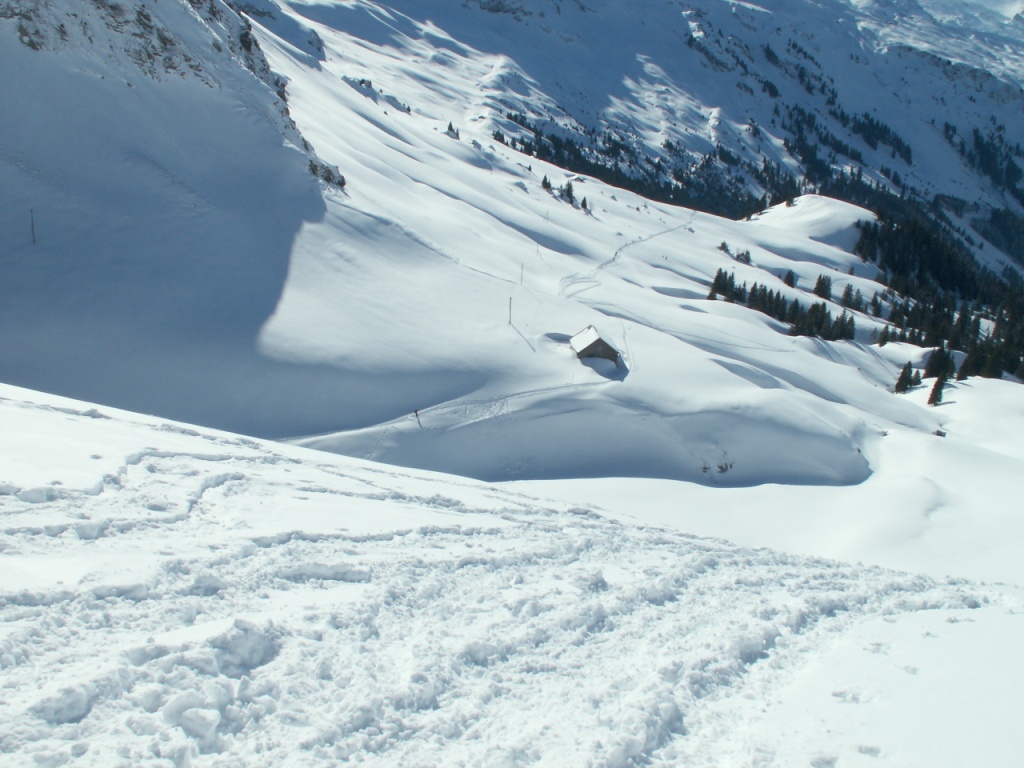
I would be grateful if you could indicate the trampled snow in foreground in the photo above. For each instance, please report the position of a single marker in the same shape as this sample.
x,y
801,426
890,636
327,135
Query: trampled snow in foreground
x,y
177,596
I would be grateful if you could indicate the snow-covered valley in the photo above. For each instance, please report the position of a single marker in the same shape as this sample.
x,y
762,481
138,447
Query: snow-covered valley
x,y
194,269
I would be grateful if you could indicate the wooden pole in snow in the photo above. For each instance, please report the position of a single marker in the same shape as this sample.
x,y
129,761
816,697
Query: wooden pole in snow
x,y
510,310
32,217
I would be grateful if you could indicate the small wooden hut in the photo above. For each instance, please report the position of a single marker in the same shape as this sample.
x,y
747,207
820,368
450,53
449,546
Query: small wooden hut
x,y
588,343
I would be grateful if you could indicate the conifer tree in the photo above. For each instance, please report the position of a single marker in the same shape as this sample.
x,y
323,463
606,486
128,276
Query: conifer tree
x,y
936,394
876,306
993,366
940,363
965,368
971,366
848,296
904,381
823,287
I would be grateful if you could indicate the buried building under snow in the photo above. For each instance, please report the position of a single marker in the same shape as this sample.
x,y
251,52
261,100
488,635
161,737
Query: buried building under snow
x,y
588,343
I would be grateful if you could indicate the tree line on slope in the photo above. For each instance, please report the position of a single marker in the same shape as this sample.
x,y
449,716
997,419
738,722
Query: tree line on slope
x,y
815,320
949,300
701,183
939,293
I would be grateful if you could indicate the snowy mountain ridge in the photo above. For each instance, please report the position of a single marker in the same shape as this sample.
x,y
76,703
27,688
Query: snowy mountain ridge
x,y
206,41
725,76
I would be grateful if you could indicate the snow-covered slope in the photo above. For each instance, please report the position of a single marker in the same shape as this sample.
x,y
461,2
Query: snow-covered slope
x,y
938,505
173,253
152,186
179,596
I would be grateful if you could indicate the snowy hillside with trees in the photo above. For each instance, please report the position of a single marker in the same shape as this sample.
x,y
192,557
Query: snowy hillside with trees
x,y
195,268
378,229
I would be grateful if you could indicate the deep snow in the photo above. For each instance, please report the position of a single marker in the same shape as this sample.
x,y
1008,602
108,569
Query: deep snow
x,y
178,596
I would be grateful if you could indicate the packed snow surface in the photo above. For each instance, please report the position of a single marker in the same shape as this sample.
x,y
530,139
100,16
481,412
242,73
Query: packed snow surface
x,y
179,596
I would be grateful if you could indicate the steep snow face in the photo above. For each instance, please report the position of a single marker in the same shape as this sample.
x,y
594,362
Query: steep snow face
x,y
179,596
152,186
984,14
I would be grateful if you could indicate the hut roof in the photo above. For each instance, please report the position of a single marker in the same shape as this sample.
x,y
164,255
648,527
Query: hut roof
x,y
588,343
584,339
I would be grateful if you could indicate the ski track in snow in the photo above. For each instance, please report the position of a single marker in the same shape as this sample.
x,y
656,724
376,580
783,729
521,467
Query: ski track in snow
x,y
498,631
589,280
476,410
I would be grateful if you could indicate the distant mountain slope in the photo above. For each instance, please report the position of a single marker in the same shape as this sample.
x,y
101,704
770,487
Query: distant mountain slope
x,y
708,92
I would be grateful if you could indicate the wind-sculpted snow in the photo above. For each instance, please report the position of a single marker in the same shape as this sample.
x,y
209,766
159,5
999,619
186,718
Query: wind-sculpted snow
x,y
237,603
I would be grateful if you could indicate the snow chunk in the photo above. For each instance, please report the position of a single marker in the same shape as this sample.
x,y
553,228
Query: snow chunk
x,y
199,723
92,529
178,705
245,647
482,653
71,705
207,585
324,572
40,495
